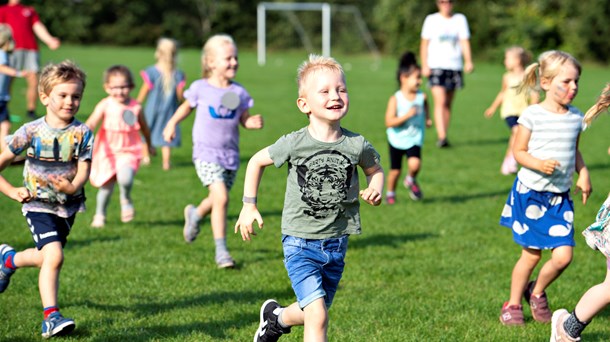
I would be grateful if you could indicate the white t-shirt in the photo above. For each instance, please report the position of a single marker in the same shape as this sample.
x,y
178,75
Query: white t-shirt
x,y
444,35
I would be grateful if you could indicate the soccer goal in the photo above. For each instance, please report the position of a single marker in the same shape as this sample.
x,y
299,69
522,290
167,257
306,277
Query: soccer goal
x,y
326,9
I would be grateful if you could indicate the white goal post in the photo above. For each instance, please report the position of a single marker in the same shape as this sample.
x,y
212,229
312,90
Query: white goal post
x,y
326,10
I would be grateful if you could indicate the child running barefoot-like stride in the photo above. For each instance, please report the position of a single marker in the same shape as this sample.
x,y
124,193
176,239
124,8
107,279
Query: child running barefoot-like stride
x,y
539,208
118,147
406,118
567,326
58,157
222,105
511,101
321,207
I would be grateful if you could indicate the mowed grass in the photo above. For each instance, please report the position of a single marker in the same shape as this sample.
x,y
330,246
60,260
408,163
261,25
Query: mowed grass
x,y
435,270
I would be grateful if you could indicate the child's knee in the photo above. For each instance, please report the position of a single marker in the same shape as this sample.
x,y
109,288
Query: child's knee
x,y
53,255
316,315
561,261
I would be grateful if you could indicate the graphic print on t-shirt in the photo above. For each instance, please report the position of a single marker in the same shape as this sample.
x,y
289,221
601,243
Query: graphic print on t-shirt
x,y
324,180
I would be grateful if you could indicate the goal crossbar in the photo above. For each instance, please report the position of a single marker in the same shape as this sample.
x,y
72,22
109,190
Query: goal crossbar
x,y
325,8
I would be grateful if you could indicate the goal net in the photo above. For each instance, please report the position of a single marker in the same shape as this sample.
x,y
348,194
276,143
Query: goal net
x,y
327,12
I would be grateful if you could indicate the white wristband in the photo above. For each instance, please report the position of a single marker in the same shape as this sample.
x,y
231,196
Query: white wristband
x,y
247,199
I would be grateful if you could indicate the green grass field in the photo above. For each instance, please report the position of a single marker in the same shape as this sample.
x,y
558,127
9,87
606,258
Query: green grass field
x,y
436,270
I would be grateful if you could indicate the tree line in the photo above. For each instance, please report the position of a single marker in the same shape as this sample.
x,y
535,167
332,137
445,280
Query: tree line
x,y
577,26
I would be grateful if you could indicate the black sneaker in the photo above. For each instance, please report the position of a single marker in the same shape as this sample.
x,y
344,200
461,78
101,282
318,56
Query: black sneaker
x,y
32,115
443,143
269,329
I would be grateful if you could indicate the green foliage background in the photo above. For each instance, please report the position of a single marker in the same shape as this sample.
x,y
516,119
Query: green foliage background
x,y
579,27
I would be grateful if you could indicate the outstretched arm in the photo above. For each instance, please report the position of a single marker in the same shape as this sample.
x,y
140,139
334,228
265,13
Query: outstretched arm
x,y
169,132
249,212
489,112
43,34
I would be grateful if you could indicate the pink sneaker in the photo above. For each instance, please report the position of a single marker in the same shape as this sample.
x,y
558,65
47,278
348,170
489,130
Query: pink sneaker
x,y
512,315
558,333
390,200
505,168
538,304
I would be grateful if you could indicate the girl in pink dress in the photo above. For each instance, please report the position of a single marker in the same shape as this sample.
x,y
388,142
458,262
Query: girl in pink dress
x,y
117,150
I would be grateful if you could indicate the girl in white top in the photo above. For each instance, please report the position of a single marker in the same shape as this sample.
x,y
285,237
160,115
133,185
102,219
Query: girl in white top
x,y
445,40
539,209
512,101
568,326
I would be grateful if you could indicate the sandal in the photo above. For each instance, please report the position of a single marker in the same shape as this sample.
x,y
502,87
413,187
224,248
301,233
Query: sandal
x,y
99,221
127,212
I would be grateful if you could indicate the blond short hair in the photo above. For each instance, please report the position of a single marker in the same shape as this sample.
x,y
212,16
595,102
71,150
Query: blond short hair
x,y
6,37
313,64
63,72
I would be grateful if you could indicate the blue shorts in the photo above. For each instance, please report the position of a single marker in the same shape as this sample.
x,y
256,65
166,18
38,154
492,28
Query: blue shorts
x,y
47,228
314,267
511,121
4,111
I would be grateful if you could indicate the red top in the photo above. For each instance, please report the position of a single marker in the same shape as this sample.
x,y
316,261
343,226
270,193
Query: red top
x,y
21,19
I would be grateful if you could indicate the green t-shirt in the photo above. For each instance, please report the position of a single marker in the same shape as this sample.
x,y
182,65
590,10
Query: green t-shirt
x,y
322,188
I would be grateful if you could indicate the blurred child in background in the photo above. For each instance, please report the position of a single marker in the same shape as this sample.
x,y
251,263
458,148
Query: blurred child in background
x,y
539,208
511,100
58,150
222,105
162,89
406,118
117,151
567,326
6,73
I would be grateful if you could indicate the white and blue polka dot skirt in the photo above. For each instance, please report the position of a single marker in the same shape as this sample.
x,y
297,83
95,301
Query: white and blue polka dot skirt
x,y
539,220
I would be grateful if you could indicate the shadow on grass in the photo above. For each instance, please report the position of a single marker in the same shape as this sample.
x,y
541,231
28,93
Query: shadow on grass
x,y
488,141
76,243
598,166
147,307
388,240
466,197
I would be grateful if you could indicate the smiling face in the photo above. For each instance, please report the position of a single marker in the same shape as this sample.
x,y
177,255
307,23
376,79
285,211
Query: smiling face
x,y
562,88
324,95
62,102
223,63
118,87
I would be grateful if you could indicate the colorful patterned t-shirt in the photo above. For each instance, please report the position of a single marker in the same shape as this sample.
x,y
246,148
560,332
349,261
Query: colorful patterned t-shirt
x,y
52,151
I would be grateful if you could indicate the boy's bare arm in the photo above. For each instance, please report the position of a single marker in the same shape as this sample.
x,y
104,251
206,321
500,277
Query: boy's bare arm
x,y
375,180
249,212
82,175
20,194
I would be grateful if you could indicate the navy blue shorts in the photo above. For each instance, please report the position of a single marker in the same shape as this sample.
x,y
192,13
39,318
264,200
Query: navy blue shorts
x,y
396,155
448,79
47,228
511,121
4,111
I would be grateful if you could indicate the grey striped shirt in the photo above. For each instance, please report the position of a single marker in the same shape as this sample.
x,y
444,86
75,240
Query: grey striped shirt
x,y
553,136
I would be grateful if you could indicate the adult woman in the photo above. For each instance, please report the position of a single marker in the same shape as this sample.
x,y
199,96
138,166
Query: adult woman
x,y
445,40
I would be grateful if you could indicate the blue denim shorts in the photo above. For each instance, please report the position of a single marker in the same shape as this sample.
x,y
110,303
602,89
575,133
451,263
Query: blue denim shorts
x,y
314,267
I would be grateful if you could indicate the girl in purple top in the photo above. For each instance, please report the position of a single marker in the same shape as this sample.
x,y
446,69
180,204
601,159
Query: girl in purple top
x,y
222,105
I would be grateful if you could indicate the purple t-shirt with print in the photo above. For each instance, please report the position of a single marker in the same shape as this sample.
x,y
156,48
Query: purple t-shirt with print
x,y
216,128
